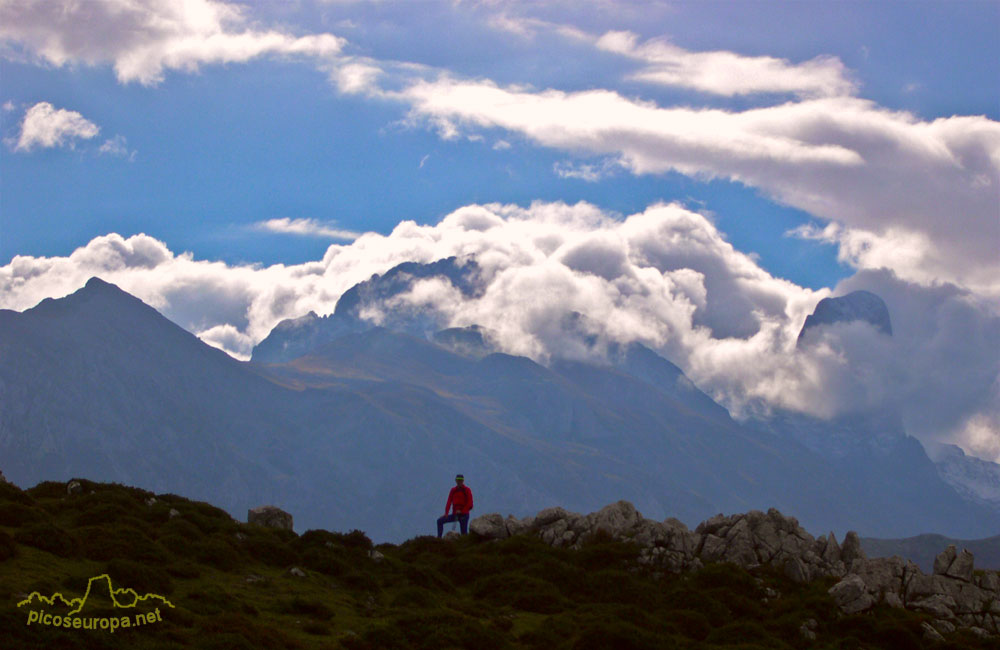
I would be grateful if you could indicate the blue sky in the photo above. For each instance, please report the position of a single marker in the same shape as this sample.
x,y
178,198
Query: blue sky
x,y
827,146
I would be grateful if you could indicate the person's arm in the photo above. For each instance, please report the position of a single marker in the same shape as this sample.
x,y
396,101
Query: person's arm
x,y
451,497
469,494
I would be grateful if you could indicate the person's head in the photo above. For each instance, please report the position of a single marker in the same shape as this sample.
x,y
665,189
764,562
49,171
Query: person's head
x,y
459,479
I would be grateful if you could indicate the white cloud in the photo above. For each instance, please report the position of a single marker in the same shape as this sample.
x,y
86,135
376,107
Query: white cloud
x,y
305,228
117,147
46,126
728,73
844,159
143,38
585,172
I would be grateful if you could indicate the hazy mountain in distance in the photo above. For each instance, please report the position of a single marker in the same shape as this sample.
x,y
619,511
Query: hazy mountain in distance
x,y
367,430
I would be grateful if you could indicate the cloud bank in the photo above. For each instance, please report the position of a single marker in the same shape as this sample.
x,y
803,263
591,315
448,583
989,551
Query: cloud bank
x,y
665,277
143,38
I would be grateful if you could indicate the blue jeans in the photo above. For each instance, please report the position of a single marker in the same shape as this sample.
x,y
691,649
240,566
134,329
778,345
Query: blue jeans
x,y
463,521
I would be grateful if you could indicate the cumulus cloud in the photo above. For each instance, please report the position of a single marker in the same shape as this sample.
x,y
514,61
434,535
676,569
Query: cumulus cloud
x,y
305,228
568,281
46,126
883,176
728,73
143,38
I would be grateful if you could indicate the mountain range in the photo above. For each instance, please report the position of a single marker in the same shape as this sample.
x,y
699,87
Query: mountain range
x,y
349,425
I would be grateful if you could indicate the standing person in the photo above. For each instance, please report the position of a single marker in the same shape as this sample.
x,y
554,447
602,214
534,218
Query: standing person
x,y
460,503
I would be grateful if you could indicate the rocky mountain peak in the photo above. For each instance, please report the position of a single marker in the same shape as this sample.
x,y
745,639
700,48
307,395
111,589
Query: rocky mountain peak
x,y
862,306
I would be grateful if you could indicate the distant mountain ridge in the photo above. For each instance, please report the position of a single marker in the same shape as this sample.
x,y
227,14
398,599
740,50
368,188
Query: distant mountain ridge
x,y
365,428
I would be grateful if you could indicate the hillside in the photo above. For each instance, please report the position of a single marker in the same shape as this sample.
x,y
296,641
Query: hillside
x,y
234,585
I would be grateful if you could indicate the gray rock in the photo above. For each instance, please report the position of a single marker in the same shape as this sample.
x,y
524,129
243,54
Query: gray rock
x,y
938,606
962,566
615,519
851,549
808,629
796,570
944,560
297,572
548,516
270,516
151,501
990,581
174,513
930,634
490,526
851,595
74,487
376,556
517,526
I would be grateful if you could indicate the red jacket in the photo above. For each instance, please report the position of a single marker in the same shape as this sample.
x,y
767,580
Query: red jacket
x,y
461,498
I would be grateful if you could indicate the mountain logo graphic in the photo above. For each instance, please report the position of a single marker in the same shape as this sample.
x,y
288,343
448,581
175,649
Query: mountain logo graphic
x,y
122,597
100,591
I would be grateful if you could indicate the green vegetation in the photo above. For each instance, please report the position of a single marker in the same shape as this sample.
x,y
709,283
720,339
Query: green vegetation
x,y
231,587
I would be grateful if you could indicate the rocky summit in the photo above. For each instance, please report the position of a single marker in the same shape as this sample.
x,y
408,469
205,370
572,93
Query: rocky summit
x,y
956,595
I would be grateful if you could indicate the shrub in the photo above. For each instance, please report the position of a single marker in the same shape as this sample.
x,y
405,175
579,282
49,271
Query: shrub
x,y
265,546
324,560
105,543
738,632
17,514
47,537
691,623
414,597
311,607
184,569
10,493
142,578
520,591
614,634
47,490
217,553
8,548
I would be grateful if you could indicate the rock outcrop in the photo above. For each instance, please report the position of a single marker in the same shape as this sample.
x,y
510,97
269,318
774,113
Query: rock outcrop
x,y
955,595
270,516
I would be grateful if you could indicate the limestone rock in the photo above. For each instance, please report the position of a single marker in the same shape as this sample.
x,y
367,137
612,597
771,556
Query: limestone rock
x,y
930,634
962,566
74,487
944,560
938,606
174,512
151,501
851,549
489,526
297,572
851,595
376,556
270,516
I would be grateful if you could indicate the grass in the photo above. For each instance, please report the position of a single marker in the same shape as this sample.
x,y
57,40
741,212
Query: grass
x,y
231,587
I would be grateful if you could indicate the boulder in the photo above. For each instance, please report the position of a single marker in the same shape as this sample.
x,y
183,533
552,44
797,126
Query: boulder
x,y
851,595
489,526
74,487
851,549
270,516
944,560
962,566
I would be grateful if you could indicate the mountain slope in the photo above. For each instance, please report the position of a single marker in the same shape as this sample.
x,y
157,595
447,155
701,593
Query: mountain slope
x,y
367,429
